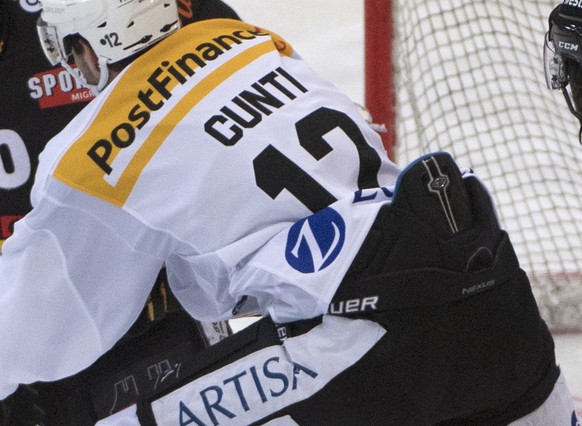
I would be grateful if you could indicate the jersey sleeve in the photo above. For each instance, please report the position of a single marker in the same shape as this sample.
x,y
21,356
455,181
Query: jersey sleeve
x,y
71,287
296,273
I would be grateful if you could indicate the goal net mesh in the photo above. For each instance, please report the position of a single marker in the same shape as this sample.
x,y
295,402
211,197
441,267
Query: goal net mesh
x,y
469,80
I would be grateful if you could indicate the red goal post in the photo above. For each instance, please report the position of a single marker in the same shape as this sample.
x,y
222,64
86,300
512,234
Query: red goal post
x,y
467,78
378,84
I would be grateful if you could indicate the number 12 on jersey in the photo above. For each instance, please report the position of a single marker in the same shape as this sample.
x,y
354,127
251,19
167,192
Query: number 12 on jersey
x,y
275,172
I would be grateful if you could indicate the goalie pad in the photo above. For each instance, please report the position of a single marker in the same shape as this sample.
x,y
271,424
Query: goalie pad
x,y
460,312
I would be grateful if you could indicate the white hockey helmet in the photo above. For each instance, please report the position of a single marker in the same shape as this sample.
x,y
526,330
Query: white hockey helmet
x,y
115,29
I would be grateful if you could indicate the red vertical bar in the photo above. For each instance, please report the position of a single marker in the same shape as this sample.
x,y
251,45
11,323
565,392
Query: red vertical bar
x,y
379,88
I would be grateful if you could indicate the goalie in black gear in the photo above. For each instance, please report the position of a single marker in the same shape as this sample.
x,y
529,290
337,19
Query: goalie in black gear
x,y
465,343
563,55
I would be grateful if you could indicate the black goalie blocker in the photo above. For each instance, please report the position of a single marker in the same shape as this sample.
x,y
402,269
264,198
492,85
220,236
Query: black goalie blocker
x,y
563,55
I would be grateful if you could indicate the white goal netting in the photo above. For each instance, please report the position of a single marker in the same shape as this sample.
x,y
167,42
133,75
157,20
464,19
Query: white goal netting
x,y
469,80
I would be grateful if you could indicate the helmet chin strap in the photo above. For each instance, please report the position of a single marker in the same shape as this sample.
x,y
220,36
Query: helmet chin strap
x,y
80,78
103,75
576,114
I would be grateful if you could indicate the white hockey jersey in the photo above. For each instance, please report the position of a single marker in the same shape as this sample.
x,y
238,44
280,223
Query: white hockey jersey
x,y
209,154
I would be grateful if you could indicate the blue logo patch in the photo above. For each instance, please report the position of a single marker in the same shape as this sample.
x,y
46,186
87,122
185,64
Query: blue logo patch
x,y
315,242
575,419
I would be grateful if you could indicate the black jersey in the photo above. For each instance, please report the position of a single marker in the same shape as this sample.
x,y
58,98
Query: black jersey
x,y
37,102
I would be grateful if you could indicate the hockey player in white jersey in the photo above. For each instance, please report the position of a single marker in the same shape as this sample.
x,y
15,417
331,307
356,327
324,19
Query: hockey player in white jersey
x,y
37,102
389,297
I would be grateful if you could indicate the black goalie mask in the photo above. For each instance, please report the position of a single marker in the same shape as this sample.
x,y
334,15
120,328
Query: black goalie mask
x,y
563,55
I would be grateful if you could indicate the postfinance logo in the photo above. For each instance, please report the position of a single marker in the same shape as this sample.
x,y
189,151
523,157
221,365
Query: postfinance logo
x,y
315,242
142,92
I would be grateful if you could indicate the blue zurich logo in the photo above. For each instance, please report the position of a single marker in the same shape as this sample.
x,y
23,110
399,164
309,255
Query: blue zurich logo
x,y
315,242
